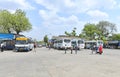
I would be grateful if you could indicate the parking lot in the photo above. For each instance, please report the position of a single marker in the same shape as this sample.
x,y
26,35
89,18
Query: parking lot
x,y
54,63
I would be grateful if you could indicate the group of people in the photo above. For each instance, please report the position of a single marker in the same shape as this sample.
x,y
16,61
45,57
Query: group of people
x,y
73,47
97,49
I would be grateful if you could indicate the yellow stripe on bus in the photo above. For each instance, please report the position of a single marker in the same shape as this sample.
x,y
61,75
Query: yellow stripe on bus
x,y
21,38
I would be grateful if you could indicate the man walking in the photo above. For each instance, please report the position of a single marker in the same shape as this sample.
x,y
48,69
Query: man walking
x,y
3,46
71,49
65,49
34,47
76,48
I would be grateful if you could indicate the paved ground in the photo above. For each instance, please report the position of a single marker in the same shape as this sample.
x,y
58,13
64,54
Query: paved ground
x,y
54,63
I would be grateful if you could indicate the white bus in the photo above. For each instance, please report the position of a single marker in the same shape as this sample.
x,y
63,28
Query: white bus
x,y
78,42
56,44
81,44
64,42
89,44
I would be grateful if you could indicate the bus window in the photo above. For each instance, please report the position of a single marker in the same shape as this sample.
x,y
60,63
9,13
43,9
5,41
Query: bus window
x,y
21,42
60,41
80,41
66,40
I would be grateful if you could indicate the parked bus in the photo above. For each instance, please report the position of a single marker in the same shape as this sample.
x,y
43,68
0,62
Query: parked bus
x,y
8,40
78,42
89,44
21,44
113,44
81,44
31,43
64,42
74,43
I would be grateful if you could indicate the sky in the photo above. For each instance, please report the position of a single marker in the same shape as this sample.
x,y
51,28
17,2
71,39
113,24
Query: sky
x,y
54,17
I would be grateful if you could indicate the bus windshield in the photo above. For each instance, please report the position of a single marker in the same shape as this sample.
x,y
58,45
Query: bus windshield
x,y
74,42
21,42
80,41
66,40
60,41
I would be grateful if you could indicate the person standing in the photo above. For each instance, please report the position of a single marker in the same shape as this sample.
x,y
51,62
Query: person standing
x,y
71,49
3,46
65,49
76,49
93,48
96,49
49,45
100,49
35,47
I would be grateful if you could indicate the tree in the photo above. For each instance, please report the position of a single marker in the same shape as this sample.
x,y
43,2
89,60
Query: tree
x,y
46,39
5,21
106,28
17,22
73,33
89,31
115,37
68,34
21,22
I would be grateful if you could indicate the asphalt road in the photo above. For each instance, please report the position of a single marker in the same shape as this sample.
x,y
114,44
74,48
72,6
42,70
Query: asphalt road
x,y
54,63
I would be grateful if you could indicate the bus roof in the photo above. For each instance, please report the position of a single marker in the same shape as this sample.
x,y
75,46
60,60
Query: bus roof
x,y
6,36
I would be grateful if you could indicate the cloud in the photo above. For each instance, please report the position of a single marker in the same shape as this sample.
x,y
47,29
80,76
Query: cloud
x,y
76,6
56,23
69,3
36,33
59,24
109,4
12,5
48,4
118,18
53,18
96,14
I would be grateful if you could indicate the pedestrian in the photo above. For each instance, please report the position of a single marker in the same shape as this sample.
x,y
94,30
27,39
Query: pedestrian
x,y
76,49
100,49
34,47
49,45
93,48
71,49
96,49
65,49
3,46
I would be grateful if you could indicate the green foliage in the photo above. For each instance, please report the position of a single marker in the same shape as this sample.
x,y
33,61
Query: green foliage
x,y
17,22
68,34
21,22
5,21
89,31
73,33
102,30
115,37
46,39
41,42
106,28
